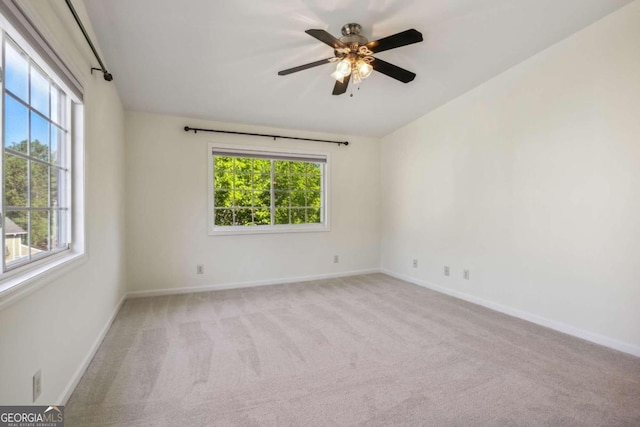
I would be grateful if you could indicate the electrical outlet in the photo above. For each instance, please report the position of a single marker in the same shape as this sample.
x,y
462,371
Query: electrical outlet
x,y
200,269
415,263
466,275
446,270
336,259
37,384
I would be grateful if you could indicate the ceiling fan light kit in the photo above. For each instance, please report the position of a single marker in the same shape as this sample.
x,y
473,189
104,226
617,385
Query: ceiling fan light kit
x,y
353,55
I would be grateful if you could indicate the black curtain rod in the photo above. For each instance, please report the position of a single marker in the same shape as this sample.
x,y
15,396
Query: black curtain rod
x,y
195,130
107,75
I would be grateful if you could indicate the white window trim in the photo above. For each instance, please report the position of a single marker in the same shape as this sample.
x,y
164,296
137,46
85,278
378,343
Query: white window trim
x,y
21,281
266,229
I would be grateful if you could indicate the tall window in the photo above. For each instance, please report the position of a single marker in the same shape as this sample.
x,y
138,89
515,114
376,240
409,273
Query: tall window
x,y
267,191
35,160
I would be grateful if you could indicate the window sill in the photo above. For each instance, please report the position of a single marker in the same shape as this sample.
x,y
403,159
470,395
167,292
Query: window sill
x,y
23,282
271,229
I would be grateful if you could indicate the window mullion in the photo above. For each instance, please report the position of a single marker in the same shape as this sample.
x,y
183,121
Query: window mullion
x,y
50,212
253,209
289,191
322,196
29,162
273,192
234,208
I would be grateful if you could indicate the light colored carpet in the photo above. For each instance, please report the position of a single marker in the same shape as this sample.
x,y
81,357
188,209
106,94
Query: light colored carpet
x,y
365,350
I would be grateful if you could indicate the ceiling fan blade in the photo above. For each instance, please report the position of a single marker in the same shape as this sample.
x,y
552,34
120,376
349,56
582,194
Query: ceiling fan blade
x,y
305,66
393,71
341,88
397,40
325,37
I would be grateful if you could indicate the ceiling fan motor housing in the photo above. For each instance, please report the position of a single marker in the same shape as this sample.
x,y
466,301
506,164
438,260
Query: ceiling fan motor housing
x,y
351,35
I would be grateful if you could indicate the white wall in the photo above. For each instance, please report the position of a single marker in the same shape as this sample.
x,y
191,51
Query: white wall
x,y
532,181
167,211
55,328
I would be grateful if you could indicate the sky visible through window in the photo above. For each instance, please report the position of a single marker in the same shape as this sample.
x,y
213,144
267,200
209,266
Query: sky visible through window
x,y
17,115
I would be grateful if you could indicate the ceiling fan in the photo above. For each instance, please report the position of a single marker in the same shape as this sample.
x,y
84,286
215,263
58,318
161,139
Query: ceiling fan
x,y
354,56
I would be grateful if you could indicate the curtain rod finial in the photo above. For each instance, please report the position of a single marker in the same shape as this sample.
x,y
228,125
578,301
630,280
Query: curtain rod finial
x,y
107,75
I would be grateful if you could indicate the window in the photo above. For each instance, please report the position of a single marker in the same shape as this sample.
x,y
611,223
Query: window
x,y
35,158
253,190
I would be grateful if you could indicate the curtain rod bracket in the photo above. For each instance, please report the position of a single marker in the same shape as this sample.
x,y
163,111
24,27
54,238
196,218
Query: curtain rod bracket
x,y
195,130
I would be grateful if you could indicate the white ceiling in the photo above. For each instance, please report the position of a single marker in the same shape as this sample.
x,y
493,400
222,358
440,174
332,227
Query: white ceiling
x,y
219,59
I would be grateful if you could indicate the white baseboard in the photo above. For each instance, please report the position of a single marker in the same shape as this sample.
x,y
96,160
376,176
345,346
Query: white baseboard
x,y
77,375
222,286
533,318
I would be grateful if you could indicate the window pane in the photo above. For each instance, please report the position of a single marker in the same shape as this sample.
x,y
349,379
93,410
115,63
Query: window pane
x,y
55,229
298,216
223,163
57,154
282,216
282,199
309,167
298,199
262,181
243,181
262,216
314,216
222,198
262,199
243,217
39,91
298,168
281,167
298,182
314,199
56,182
223,179
39,231
15,181
261,166
16,119
63,226
242,198
281,182
242,165
15,237
223,217
39,185
39,137
17,72
313,182
56,105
